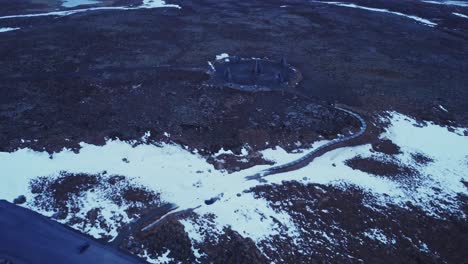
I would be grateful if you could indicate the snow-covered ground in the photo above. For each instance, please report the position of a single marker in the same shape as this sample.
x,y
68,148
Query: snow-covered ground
x,y
416,18
187,180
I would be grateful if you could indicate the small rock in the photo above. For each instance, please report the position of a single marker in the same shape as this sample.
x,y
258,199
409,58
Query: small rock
x,y
20,199
211,201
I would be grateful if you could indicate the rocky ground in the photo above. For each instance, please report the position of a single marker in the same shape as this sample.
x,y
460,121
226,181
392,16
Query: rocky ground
x,y
71,198
141,76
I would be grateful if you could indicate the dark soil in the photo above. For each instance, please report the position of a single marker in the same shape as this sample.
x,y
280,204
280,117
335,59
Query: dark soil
x,y
118,74
346,215
386,146
227,247
421,159
170,236
382,167
63,195
231,247
101,80
338,224
195,115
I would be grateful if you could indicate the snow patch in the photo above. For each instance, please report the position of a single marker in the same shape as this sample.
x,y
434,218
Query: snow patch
x,y
74,3
193,232
156,4
211,66
416,18
249,216
443,108
6,29
163,259
377,234
460,15
454,3
223,56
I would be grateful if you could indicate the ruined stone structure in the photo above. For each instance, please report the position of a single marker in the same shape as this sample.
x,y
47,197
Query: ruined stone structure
x,y
254,74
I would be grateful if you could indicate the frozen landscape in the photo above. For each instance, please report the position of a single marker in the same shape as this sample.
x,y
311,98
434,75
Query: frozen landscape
x,y
239,132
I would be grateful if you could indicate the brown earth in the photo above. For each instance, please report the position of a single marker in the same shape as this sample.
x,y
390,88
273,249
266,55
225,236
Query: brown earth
x,y
98,75
345,215
382,167
64,195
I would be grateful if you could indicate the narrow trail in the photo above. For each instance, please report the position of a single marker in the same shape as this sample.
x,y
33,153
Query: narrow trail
x,y
306,159
148,222
136,226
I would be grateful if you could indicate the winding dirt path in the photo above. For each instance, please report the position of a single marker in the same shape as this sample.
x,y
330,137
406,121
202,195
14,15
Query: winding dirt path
x,y
306,159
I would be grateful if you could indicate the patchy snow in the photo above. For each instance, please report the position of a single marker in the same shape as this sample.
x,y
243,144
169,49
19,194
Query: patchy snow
x,y
449,169
147,4
416,18
443,108
108,209
6,29
73,3
244,152
163,259
156,4
442,2
223,56
460,15
193,231
211,66
248,216
223,151
377,234
187,180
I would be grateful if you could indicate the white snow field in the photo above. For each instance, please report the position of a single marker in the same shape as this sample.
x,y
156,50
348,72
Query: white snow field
x,y
186,179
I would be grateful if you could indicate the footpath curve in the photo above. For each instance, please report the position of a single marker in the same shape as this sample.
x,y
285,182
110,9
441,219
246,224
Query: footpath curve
x,y
307,158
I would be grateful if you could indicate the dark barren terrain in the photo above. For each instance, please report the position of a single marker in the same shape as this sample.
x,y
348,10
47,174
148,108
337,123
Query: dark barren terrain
x,y
109,74
94,75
